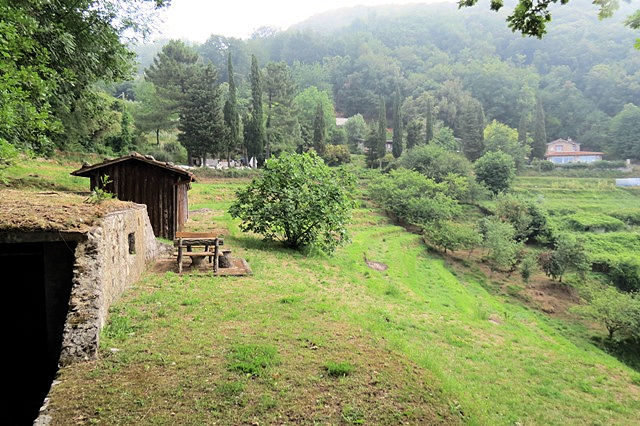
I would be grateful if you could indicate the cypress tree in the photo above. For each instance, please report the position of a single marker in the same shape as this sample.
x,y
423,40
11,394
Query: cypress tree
x,y
231,117
522,129
413,133
539,147
397,126
381,148
318,130
471,129
429,122
256,131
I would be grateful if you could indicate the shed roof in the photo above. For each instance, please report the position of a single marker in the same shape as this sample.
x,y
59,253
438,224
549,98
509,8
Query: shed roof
x,y
571,153
169,167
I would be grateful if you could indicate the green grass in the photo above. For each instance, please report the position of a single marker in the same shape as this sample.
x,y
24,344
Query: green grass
x,y
193,349
338,369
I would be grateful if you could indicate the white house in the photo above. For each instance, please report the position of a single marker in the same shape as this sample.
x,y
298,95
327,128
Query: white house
x,y
561,151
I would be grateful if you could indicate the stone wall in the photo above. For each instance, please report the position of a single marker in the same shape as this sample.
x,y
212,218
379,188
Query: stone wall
x,y
105,265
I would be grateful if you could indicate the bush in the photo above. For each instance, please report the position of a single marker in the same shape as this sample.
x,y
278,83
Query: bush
x,y
618,312
625,274
8,156
499,239
586,221
528,266
569,253
542,165
630,217
528,218
414,198
171,151
447,235
335,155
496,171
298,200
435,162
604,164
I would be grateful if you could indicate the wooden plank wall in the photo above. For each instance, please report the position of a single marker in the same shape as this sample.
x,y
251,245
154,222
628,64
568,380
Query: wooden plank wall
x,y
164,193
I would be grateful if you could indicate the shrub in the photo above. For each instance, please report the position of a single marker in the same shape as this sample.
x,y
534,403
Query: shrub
x,y
499,239
528,266
496,171
298,200
630,216
447,235
618,312
171,151
8,156
625,274
569,253
604,164
586,221
334,155
435,162
413,198
542,165
529,220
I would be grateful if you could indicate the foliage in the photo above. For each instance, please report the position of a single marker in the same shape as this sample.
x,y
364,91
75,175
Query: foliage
x,y
569,254
619,312
152,112
381,134
470,128
413,133
496,171
625,128
435,162
499,137
252,359
298,200
99,193
254,130
452,236
542,165
283,127
230,113
445,138
8,157
397,125
528,219
586,221
356,130
628,216
429,122
539,145
171,151
625,273
499,239
319,129
306,104
338,369
413,198
528,266
335,155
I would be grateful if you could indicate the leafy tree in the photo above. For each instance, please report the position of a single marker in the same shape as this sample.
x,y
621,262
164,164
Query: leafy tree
x,y
413,198
529,220
255,133
495,170
231,115
319,130
306,105
528,267
523,138
334,155
625,132
539,146
356,129
452,236
429,122
297,200
503,249
499,137
283,127
435,162
619,312
338,136
568,254
381,135
397,125
201,117
413,133
444,138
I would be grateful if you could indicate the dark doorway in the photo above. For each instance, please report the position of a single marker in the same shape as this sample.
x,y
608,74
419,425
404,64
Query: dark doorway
x,y
37,281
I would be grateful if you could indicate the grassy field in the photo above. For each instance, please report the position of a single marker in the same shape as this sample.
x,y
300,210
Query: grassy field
x,y
609,215
313,339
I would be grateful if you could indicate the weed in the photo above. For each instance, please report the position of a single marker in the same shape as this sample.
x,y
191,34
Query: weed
x,y
230,389
118,327
252,359
352,415
339,369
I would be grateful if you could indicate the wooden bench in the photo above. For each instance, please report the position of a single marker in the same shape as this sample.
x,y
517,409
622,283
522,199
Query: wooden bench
x,y
190,240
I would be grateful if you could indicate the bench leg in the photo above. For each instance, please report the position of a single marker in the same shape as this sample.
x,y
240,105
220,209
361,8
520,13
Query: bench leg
x,y
180,256
215,256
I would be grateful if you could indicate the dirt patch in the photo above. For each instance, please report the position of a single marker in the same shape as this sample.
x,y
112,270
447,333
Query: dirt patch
x,y
240,267
51,210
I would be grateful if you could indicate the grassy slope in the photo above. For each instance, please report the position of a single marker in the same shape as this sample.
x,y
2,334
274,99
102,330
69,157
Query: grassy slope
x,y
426,345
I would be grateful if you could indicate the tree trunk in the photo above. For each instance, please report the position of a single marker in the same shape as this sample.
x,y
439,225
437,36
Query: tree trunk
x,y
158,137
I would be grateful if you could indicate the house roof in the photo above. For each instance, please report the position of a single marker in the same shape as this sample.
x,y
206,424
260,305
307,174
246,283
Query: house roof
x,y
571,153
341,121
86,169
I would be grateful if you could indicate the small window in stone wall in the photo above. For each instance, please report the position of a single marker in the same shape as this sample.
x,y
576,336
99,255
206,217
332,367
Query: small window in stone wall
x,y
132,243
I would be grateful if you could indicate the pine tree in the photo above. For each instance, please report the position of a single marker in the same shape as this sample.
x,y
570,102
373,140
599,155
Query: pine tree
x,y
429,122
397,125
283,128
172,70
318,130
413,133
539,147
381,148
201,119
255,132
231,116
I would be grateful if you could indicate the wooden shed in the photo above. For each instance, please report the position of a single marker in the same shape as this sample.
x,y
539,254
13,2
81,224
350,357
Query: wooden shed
x,y
141,179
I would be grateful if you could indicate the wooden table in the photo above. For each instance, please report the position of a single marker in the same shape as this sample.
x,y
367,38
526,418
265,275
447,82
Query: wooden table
x,y
204,240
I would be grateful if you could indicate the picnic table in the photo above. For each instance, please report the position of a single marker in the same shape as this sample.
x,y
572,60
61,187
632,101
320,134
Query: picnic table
x,y
206,245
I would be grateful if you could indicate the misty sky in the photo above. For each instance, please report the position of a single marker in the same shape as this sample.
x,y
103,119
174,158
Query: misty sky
x,y
197,19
